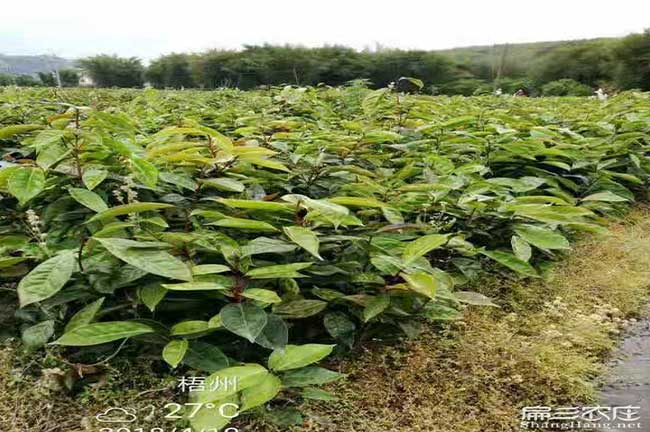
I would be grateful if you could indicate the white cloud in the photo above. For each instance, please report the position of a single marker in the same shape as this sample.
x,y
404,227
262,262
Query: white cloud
x,y
148,28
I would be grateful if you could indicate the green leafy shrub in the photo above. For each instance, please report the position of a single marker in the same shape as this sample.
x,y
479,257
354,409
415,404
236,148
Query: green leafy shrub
x,y
566,87
249,234
464,87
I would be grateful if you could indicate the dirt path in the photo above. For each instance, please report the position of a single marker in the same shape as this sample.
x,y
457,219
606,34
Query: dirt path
x,y
628,382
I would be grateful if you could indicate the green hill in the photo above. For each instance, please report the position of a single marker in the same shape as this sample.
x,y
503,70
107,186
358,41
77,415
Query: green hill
x,y
31,65
484,60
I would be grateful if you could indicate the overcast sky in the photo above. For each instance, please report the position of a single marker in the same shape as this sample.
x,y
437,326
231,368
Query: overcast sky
x,y
145,28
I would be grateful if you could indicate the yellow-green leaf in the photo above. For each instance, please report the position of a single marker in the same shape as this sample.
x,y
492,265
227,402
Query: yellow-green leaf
x,y
305,238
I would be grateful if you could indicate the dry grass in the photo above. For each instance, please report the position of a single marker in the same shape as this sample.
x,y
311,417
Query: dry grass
x,y
543,346
35,399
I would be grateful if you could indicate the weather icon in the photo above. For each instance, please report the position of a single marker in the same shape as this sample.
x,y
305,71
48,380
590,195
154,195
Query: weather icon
x,y
116,415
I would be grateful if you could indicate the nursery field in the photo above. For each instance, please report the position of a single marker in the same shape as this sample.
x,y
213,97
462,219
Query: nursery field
x,y
250,238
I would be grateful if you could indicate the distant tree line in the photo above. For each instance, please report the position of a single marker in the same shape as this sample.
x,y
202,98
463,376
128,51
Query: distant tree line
x,y
569,68
67,78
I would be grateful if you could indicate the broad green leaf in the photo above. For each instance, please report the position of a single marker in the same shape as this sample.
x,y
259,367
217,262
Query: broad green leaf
x,y
305,238
25,183
297,356
244,319
588,227
317,394
10,131
521,248
204,269
103,332
10,261
261,245
243,224
422,283
174,352
151,260
267,206
145,171
124,209
261,392
156,221
263,295
543,238
5,173
215,322
86,315
37,335
205,357
512,262
310,375
46,279
340,327
357,202
113,229
49,137
438,312
297,309
180,180
243,377
224,184
375,306
10,243
185,328
321,206
51,155
473,298
214,417
279,271
195,286
553,214
92,177
267,163
88,199
152,294
423,245
606,196
275,333
392,215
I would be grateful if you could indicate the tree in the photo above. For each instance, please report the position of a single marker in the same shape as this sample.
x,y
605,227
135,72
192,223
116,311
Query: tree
x,y
388,66
632,56
465,87
337,65
68,77
48,79
511,85
566,87
171,71
216,69
26,81
588,63
6,79
113,71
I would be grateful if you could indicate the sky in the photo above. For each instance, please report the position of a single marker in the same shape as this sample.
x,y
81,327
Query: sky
x,y
147,29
